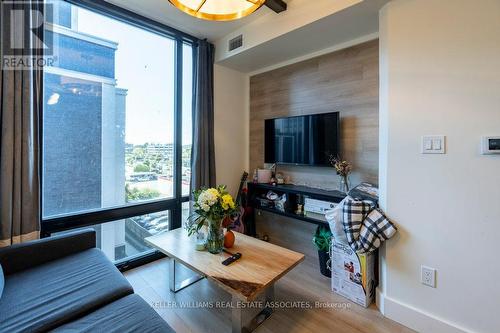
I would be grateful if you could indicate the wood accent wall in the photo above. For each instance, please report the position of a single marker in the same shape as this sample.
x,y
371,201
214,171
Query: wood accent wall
x,y
346,81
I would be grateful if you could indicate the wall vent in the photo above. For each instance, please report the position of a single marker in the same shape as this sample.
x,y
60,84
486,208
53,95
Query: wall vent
x,y
236,42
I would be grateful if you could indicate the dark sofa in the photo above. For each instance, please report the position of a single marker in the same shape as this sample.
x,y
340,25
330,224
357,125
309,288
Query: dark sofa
x,y
65,284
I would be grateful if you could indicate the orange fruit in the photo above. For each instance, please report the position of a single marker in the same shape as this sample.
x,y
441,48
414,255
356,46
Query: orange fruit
x,y
229,239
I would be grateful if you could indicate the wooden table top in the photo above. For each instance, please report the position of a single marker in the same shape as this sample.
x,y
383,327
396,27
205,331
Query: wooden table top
x,y
261,263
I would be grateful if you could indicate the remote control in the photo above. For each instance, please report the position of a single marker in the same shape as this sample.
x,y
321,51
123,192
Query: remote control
x,y
231,259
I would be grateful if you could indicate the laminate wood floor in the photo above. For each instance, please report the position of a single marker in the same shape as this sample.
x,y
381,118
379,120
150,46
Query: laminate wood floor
x,y
186,312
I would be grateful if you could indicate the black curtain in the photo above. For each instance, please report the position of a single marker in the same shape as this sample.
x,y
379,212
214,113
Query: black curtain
x,y
203,153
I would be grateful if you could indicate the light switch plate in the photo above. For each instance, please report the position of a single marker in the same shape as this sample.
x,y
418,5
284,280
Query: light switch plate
x,y
434,144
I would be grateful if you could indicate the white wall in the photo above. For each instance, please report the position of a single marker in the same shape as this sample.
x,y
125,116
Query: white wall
x,y
440,74
266,27
231,126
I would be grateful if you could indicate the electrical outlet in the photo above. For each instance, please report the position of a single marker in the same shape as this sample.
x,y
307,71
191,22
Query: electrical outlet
x,y
428,276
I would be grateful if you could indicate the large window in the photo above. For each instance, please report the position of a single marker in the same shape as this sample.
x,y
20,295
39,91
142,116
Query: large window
x,y
117,127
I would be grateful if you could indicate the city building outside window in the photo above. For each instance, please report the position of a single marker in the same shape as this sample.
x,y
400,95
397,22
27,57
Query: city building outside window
x,y
109,126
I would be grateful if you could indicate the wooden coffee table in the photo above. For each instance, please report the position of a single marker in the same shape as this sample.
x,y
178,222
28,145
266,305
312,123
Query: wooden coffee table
x,y
254,275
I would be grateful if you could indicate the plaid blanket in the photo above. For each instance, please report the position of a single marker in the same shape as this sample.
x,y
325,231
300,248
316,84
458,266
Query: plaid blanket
x,y
365,226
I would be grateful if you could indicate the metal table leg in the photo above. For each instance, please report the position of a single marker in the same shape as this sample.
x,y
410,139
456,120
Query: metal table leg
x,y
237,314
178,286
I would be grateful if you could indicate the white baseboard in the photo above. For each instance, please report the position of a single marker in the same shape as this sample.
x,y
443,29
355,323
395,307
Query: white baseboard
x,y
379,300
414,318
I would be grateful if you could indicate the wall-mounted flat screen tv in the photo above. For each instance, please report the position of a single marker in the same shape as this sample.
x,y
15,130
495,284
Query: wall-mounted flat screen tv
x,y
303,140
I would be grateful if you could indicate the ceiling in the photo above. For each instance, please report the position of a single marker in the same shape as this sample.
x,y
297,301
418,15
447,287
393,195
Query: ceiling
x,y
357,20
353,23
164,12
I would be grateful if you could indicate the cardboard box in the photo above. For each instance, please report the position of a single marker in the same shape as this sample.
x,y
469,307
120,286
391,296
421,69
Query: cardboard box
x,y
353,275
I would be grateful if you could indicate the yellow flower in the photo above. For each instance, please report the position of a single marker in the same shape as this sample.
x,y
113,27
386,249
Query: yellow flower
x,y
227,202
213,192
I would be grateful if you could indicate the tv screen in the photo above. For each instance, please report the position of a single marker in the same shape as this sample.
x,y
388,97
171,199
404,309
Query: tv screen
x,y
304,140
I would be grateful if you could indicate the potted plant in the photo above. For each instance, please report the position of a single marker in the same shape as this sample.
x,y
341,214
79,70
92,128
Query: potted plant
x,y
211,206
323,241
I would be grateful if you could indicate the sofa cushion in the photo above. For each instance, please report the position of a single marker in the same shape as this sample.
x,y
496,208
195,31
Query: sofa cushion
x,y
126,315
2,281
49,295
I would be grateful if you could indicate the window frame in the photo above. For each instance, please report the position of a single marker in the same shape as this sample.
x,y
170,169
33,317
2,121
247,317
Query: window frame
x,y
89,218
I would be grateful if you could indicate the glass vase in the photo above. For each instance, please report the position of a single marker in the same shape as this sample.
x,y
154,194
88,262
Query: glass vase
x,y
200,241
215,239
344,185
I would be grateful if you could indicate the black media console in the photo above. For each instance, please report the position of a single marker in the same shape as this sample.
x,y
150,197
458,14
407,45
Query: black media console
x,y
295,195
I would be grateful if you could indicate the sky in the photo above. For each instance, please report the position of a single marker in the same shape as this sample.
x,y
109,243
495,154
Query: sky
x,y
145,67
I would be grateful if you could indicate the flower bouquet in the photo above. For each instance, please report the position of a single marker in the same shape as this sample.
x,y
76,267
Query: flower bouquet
x,y
211,207
343,169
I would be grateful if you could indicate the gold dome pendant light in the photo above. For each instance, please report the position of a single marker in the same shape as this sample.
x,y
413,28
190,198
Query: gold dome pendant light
x,y
218,10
